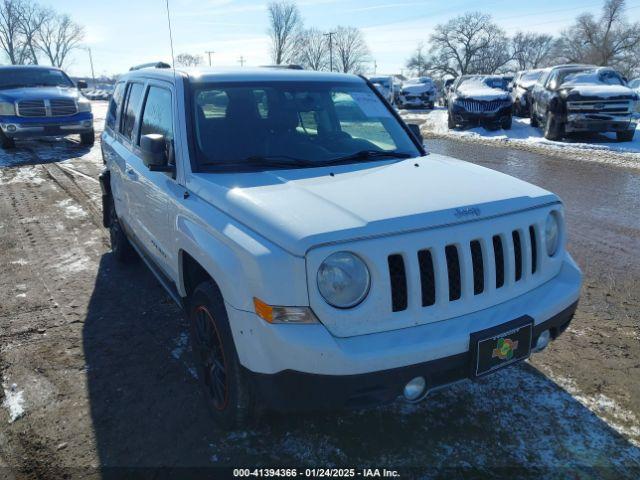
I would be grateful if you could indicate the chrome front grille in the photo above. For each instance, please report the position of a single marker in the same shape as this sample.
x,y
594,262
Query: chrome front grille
x,y
481,106
63,107
57,107
32,108
466,267
612,107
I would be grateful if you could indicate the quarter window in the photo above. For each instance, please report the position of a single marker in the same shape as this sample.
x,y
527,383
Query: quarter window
x,y
157,115
134,94
114,105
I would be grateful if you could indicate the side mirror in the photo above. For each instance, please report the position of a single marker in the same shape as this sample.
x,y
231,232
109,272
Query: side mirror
x,y
155,152
415,129
82,85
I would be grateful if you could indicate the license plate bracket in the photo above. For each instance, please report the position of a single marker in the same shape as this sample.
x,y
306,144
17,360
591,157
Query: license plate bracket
x,y
500,346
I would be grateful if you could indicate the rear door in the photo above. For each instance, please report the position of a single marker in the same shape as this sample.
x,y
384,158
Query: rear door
x,y
124,150
114,162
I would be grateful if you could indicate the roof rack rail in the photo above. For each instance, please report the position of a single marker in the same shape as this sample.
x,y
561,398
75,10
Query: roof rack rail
x,y
150,65
284,67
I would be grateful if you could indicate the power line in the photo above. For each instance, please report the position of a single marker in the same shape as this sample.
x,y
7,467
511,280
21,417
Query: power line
x,y
242,61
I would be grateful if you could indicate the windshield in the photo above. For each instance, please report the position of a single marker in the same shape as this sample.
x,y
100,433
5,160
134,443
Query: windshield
x,y
479,81
420,81
298,123
530,77
33,77
592,76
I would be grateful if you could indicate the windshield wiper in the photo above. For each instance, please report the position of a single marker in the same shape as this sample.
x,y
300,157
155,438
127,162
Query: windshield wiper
x,y
368,155
266,161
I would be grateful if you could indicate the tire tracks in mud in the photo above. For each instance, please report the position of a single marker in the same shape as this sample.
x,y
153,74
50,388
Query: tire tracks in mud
x,y
50,250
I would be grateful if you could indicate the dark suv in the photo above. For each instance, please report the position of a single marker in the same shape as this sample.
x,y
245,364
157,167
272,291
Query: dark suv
x,y
40,101
584,98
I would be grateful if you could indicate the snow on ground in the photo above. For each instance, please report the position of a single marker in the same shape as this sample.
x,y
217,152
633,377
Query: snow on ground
x,y
13,402
597,147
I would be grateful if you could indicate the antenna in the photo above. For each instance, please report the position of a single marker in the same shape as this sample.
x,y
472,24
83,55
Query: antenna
x,y
173,59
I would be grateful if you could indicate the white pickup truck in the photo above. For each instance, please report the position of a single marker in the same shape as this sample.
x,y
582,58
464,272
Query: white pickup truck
x,y
323,257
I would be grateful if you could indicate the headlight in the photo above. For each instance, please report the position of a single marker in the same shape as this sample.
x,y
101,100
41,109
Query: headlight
x,y
637,106
7,108
552,234
343,280
84,105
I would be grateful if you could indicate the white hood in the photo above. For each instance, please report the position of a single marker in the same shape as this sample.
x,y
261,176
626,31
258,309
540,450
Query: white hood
x,y
478,90
599,91
417,88
301,208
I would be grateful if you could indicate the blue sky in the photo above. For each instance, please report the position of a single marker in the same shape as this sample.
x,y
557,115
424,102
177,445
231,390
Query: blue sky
x,y
122,33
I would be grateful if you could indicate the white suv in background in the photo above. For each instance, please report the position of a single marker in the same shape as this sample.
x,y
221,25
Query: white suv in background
x,y
418,92
323,257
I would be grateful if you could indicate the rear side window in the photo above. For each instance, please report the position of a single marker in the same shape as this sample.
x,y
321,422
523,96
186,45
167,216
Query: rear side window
x,y
157,115
134,94
114,105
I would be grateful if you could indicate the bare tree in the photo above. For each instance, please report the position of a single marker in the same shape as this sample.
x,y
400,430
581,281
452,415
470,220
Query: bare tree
x,y
285,25
58,37
32,17
312,50
469,43
419,62
188,60
11,36
532,50
609,40
352,50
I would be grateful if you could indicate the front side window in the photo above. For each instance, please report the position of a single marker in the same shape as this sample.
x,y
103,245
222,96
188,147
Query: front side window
x,y
157,116
293,124
114,105
128,122
33,77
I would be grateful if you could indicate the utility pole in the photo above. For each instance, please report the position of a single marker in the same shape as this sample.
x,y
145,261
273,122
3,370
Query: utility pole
x,y
375,67
242,61
330,35
93,75
209,52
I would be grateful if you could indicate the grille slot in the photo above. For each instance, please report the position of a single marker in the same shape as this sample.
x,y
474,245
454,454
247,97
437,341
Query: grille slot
x,y
32,108
478,267
480,106
427,278
499,259
453,267
534,249
398,277
63,107
517,250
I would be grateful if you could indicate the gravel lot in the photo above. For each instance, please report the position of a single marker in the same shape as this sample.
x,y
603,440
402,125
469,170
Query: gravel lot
x,y
97,375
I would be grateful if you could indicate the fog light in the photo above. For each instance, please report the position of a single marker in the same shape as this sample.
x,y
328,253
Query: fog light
x,y
87,123
415,389
11,128
543,341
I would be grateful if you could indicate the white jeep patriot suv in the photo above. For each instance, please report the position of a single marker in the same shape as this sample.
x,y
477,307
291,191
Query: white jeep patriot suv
x,y
323,257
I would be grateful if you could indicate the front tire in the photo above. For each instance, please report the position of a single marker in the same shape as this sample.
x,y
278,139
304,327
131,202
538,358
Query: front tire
x,y
553,127
625,135
507,122
5,142
225,387
533,117
87,139
450,123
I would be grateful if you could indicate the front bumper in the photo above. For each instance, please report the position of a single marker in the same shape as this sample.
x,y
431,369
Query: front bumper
x,y
417,100
34,127
292,390
277,353
462,116
591,122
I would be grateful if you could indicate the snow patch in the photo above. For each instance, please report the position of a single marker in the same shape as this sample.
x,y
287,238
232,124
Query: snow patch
x,y
13,402
21,261
23,175
181,342
72,211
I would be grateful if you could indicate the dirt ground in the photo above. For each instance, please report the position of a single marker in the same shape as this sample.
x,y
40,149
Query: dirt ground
x,y
98,382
